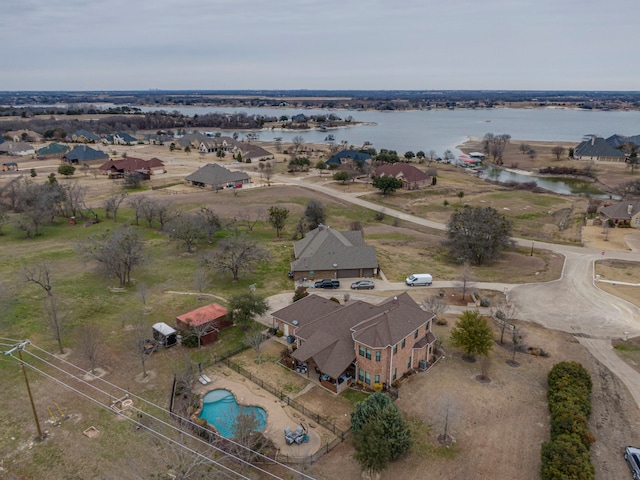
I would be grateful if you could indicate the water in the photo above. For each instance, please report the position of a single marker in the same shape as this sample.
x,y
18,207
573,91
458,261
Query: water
x,y
563,186
440,130
220,409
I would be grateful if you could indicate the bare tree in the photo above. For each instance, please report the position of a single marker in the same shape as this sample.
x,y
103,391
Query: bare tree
x,y
200,279
143,292
436,305
188,229
236,254
117,252
212,222
298,141
149,210
74,204
465,279
558,151
90,342
164,213
136,202
141,342
56,318
505,311
198,331
112,205
255,338
40,274
249,217
447,409
517,340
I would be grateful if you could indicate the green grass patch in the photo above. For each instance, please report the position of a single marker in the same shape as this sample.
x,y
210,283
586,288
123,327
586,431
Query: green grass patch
x,y
354,396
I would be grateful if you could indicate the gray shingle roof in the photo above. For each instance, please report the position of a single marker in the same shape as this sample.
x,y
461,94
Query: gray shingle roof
x,y
621,211
597,147
53,149
83,153
324,247
214,174
306,310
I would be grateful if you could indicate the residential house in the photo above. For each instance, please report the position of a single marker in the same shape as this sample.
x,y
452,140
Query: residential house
x,y
121,138
53,150
597,149
302,312
623,213
617,141
254,153
83,136
349,158
192,140
373,343
328,253
216,177
24,136
412,178
84,154
117,168
216,144
19,149
205,321
157,138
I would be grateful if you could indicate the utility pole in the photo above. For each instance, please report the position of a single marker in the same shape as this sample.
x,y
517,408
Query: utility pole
x,y
19,347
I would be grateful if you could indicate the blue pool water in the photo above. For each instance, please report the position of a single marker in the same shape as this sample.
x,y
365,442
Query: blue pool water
x,y
220,409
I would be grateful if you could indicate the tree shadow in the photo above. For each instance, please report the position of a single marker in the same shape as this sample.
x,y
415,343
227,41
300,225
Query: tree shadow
x,y
483,379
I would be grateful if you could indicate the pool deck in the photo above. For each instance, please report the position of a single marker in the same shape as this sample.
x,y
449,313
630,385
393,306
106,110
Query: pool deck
x,y
278,418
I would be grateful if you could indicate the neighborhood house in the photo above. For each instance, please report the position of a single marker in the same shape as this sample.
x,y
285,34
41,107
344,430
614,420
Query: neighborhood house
x,y
216,177
117,168
328,253
357,341
622,214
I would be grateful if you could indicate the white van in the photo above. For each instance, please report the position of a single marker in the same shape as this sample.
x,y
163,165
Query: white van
x,y
419,279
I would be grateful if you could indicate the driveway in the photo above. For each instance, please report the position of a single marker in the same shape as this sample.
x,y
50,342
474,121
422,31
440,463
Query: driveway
x,y
572,303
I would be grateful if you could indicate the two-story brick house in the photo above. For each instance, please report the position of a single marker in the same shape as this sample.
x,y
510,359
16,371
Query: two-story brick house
x,y
358,340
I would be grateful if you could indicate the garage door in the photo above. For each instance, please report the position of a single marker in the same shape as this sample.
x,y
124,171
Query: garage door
x,y
349,273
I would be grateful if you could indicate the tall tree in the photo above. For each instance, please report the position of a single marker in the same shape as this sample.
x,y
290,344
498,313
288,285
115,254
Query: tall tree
x,y
236,254
91,340
315,214
472,334
477,234
297,141
387,184
278,218
188,230
255,337
118,252
112,205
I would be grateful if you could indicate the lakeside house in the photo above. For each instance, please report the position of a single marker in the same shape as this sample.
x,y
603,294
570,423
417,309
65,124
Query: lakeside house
x,y
412,178
18,149
118,168
84,154
374,344
622,214
597,149
53,150
216,177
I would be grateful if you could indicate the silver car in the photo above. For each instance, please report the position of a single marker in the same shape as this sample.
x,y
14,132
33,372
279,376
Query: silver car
x,y
632,456
362,285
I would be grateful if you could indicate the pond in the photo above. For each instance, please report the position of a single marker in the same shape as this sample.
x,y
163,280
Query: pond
x,y
220,409
562,186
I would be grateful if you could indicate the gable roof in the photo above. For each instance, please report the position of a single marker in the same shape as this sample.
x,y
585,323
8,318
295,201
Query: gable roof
x,y
324,247
86,134
354,155
203,315
330,339
53,149
251,150
214,174
192,139
16,148
132,164
617,140
622,210
83,153
402,171
597,147
306,310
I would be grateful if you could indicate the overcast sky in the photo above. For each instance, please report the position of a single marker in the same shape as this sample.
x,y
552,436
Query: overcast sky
x,y
329,44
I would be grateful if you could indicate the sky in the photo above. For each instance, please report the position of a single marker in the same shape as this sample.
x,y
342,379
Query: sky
x,y
319,45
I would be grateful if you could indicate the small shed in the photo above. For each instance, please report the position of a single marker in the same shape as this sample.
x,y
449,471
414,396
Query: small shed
x,y
164,334
206,321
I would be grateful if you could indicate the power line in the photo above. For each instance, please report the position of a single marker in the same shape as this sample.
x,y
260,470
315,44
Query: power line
x,y
170,426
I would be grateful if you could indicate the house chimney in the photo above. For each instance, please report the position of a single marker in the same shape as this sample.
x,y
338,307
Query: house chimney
x,y
593,140
320,227
395,299
630,208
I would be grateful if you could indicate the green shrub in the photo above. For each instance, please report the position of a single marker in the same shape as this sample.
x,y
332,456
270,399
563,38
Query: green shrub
x,y
485,302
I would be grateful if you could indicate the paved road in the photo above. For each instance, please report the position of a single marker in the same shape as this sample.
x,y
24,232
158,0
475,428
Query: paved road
x,y
572,303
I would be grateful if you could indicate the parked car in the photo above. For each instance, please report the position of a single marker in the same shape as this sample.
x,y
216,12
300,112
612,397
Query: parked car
x,y
363,285
632,456
419,279
327,283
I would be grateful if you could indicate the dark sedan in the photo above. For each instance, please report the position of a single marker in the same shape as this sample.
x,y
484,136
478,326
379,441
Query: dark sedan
x,y
363,285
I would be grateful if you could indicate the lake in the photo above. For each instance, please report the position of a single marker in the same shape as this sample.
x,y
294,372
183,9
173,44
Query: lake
x,y
440,130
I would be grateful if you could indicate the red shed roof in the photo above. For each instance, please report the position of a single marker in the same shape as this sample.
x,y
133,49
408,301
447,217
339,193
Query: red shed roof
x,y
203,315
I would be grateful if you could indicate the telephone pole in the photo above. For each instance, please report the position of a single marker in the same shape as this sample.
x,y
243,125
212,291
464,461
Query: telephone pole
x,y
19,347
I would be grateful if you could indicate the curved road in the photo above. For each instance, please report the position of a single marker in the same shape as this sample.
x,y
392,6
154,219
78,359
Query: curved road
x,y
572,303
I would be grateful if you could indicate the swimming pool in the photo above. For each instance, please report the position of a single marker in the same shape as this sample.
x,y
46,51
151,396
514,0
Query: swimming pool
x,y
220,409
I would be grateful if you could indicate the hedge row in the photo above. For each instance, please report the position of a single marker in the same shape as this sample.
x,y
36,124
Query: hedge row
x,y
566,456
